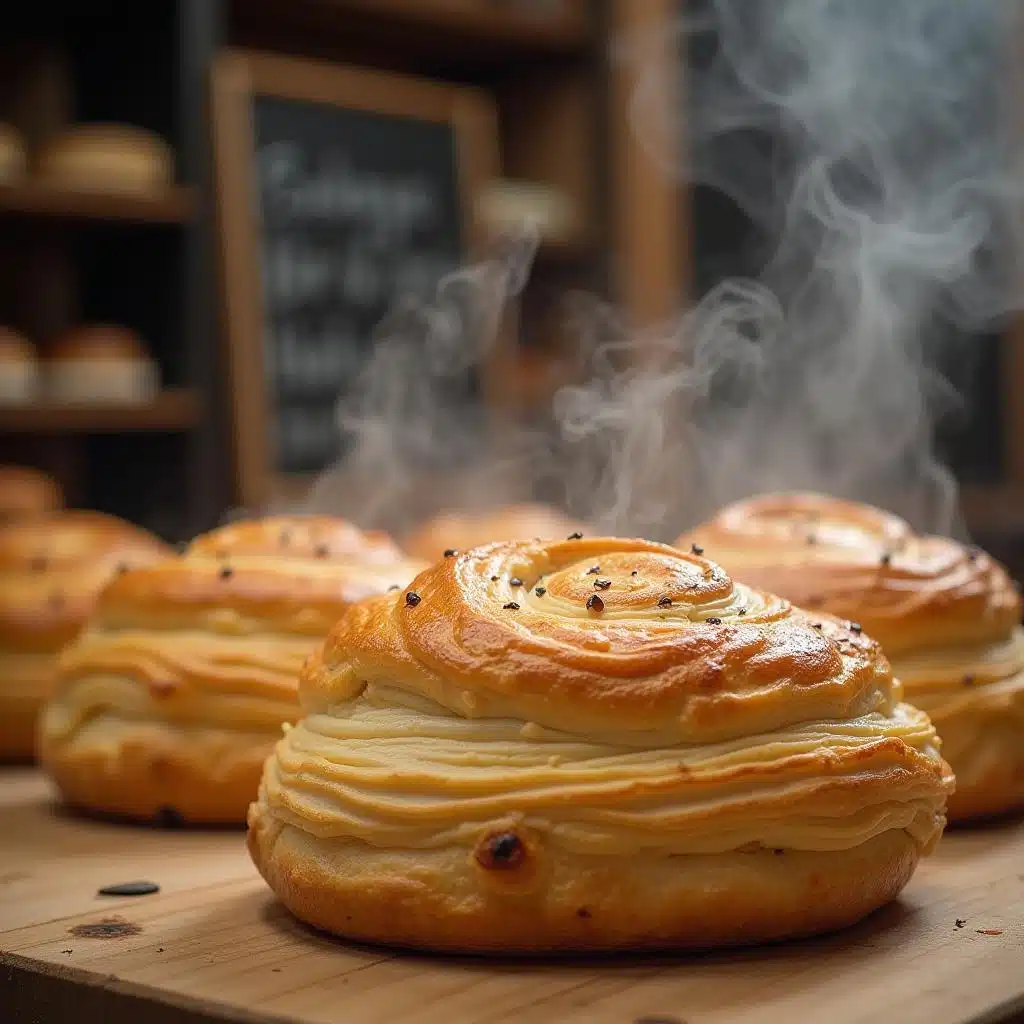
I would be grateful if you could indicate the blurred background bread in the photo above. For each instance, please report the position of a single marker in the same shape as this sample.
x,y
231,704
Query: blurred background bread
x,y
13,159
100,363
107,158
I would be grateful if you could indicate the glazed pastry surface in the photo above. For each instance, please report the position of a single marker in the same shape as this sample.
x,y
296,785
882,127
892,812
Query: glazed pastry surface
x,y
175,693
947,614
561,739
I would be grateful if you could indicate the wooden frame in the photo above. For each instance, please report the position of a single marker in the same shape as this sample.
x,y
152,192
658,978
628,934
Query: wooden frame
x,y
238,76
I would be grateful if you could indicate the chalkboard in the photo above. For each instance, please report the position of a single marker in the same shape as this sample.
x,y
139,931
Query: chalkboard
x,y
357,210
341,190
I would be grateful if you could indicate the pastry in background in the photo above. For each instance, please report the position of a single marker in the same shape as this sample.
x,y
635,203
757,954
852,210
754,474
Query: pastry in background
x,y
19,369
107,158
593,744
12,155
947,615
27,494
169,702
464,530
100,363
51,570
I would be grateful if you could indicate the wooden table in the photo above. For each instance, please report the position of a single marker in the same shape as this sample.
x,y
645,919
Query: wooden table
x,y
214,945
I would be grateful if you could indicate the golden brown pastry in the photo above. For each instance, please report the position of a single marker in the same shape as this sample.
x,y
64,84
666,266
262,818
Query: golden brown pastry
x,y
947,615
171,699
593,744
464,530
51,570
27,494
19,369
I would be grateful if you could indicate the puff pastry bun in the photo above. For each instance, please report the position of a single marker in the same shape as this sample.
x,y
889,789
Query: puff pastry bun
x,y
171,699
947,615
593,744
51,570
464,530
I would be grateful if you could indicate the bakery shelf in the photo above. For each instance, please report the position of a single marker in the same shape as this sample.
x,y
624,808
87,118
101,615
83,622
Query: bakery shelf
x,y
174,410
39,199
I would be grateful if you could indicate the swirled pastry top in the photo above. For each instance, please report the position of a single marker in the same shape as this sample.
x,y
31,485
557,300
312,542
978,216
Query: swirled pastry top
x,y
282,575
464,530
52,569
907,591
624,640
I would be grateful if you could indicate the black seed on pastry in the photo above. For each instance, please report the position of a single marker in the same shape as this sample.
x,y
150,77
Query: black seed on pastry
x,y
494,579
575,536
226,572
501,850
665,602
583,912
713,620
602,584
856,627
886,558
742,611
812,538
321,551
122,568
412,599
395,586
593,570
515,581
634,572
959,922
511,606
540,591
169,817
595,604
778,853
450,552
696,549
817,625
130,889
968,680
972,554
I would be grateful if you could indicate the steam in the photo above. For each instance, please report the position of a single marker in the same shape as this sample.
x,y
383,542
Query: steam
x,y
417,437
866,143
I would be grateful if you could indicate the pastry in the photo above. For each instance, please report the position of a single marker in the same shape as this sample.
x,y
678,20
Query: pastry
x,y
464,530
947,615
107,158
27,494
19,369
593,744
171,699
51,570
100,363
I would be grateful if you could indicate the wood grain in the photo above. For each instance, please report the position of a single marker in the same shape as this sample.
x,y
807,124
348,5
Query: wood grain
x,y
34,198
173,410
213,944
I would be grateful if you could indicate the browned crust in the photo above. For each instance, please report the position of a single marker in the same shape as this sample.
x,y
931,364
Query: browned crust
x,y
438,900
161,773
18,729
27,493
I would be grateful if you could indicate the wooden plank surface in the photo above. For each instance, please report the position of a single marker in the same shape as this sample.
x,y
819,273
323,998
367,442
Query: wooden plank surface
x,y
213,944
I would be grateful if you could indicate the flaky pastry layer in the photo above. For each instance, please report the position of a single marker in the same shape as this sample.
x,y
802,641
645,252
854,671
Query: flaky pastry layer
x,y
946,614
492,725
209,645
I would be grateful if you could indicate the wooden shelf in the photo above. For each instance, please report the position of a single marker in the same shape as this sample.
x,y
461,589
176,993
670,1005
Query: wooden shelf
x,y
454,27
39,199
171,411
